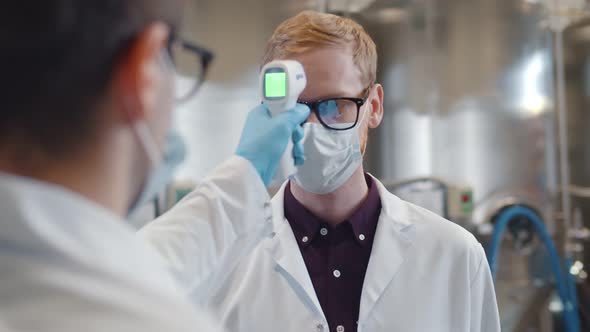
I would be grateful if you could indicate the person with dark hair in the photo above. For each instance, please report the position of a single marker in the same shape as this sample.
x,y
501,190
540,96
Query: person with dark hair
x,y
87,92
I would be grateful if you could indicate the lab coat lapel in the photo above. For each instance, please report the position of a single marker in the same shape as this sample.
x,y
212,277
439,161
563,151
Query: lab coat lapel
x,y
286,254
393,240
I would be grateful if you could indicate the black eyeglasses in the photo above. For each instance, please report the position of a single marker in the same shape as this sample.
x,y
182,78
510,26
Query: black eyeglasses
x,y
337,113
191,63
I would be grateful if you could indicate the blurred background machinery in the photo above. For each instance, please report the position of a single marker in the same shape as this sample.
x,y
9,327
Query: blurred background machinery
x,y
487,120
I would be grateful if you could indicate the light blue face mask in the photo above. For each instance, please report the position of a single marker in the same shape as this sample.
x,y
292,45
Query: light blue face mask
x,y
161,173
332,157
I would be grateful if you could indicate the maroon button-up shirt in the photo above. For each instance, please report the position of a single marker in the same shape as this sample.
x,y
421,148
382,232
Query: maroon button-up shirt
x,y
336,257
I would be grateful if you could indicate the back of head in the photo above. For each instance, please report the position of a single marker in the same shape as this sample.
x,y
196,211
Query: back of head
x,y
309,30
56,62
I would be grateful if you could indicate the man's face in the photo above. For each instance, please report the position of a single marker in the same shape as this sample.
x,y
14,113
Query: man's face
x,y
331,73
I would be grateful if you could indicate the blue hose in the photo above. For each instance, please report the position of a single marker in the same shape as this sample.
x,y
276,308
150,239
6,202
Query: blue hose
x,y
565,285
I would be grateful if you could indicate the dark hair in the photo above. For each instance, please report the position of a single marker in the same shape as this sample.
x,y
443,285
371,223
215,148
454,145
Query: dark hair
x,y
57,58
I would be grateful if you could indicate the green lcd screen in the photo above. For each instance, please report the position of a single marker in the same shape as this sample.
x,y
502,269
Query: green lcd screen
x,y
275,85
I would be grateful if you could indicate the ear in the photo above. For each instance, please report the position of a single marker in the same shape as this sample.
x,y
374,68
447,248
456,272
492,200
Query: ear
x,y
138,74
375,99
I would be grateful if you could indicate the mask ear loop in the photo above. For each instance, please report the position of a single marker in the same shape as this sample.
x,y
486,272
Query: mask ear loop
x,y
364,110
146,139
360,122
141,129
363,118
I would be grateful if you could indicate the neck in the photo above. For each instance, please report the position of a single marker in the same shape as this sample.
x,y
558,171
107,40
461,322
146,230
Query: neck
x,y
335,207
92,174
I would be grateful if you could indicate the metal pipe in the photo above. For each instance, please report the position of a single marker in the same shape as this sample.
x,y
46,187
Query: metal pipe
x,y
577,191
563,134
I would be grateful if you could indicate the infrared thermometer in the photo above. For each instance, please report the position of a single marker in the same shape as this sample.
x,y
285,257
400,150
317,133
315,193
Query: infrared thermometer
x,y
281,84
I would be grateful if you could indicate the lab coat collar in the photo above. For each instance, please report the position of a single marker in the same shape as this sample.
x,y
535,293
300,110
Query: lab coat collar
x,y
393,240
286,254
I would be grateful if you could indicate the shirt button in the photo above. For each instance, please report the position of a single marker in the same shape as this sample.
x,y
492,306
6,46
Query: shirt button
x,y
320,328
337,274
362,237
305,239
324,231
340,328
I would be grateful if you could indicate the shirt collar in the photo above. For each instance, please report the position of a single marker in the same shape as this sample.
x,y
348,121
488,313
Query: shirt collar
x,y
306,225
364,219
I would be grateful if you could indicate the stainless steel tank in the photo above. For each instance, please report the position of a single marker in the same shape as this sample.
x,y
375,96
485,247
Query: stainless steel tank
x,y
469,98
577,84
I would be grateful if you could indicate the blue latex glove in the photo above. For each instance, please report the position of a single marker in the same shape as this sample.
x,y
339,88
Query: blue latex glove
x,y
265,138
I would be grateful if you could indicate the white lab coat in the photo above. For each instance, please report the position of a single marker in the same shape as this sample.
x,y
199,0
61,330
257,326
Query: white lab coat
x,y
425,274
67,264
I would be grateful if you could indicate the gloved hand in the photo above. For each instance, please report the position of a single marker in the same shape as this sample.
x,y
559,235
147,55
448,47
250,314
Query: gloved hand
x,y
264,138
